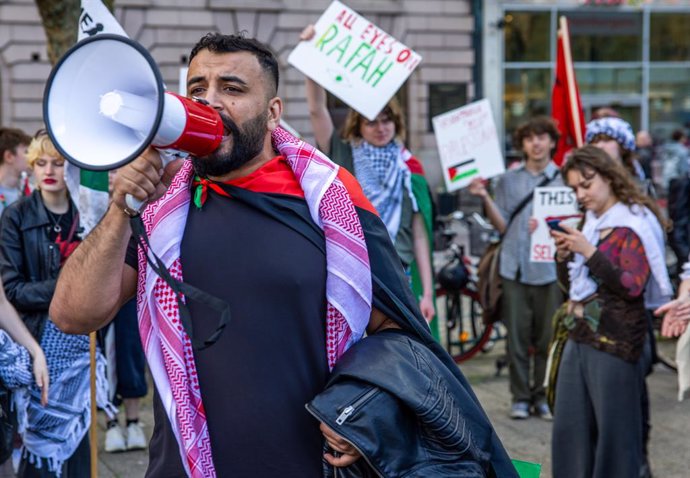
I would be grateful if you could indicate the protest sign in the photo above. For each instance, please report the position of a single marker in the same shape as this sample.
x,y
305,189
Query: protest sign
x,y
468,144
355,60
557,205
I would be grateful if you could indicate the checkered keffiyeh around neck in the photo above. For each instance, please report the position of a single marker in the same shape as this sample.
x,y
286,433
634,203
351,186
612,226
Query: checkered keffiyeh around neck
x,y
385,179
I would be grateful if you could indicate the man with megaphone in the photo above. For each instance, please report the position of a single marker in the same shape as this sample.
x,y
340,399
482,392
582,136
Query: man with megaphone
x,y
270,226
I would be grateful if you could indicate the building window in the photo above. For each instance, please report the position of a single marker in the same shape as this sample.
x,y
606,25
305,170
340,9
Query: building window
x,y
605,35
648,84
444,97
668,37
526,36
527,93
669,100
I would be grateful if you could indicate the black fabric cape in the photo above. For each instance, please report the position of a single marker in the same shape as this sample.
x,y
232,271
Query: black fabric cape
x,y
393,297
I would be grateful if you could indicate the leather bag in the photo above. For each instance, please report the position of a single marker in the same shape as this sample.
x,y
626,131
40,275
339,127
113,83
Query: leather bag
x,y
489,283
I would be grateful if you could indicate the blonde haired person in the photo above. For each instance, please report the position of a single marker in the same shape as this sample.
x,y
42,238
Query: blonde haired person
x,y
37,234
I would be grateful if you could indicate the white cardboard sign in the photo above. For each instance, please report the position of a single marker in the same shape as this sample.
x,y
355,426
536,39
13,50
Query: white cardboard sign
x,y
553,203
468,144
355,60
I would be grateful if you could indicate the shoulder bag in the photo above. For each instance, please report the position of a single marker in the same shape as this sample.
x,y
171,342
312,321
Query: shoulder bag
x,y
489,282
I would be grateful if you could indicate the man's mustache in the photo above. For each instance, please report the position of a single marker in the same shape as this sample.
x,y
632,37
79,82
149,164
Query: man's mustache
x,y
229,124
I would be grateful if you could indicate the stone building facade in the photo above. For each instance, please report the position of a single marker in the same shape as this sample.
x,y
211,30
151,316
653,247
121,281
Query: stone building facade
x,y
440,30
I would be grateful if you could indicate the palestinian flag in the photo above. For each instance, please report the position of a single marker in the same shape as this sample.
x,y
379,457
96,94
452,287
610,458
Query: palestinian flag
x,y
463,170
89,189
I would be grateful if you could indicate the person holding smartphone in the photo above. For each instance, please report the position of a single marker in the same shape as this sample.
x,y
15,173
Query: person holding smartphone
x,y
606,269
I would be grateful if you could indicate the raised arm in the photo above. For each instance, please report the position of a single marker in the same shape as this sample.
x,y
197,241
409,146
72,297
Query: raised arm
x,y
95,281
321,121
478,188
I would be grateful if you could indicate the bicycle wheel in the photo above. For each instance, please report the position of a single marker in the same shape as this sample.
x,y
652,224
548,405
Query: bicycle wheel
x,y
466,334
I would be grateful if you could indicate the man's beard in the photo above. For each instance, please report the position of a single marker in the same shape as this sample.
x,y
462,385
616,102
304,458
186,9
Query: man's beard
x,y
246,145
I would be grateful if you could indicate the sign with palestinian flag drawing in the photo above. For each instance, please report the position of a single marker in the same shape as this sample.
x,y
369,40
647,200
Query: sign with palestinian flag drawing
x,y
355,60
468,144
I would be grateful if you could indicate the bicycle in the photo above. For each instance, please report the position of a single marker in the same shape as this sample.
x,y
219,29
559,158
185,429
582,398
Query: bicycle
x,y
465,334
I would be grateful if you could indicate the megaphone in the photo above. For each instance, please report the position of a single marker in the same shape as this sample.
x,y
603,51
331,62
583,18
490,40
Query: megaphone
x,y
105,103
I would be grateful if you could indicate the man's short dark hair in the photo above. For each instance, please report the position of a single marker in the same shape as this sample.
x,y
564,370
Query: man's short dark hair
x,y
219,43
10,138
536,125
678,135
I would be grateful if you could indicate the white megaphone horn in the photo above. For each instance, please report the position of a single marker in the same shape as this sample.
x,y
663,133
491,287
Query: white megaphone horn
x,y
105,103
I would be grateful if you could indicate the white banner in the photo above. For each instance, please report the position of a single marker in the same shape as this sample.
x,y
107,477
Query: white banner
x,y
555,204
355,60
468,144
95,18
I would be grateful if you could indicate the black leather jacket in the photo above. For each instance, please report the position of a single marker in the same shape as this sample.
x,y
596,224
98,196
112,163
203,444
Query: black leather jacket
x,y
407,414
29,260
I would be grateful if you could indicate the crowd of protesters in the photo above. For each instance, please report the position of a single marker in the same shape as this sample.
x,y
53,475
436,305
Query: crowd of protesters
x,y
607,280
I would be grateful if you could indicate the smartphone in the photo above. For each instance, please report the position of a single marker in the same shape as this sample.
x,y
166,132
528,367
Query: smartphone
x,y
554,225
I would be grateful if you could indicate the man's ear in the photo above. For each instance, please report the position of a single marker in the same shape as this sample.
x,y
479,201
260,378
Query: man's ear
x,y
275,112
8,157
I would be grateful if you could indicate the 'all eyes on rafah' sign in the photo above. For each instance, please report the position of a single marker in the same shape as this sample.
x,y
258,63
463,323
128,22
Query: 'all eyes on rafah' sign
x,y
355,60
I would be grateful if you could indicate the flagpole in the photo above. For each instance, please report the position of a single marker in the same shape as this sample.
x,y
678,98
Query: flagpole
x,y
570,75
93,434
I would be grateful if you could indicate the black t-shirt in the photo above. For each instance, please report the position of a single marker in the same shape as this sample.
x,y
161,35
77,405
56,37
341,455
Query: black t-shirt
x,y
271,358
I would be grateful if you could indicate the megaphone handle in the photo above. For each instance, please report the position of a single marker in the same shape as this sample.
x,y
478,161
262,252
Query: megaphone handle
x,y
167,155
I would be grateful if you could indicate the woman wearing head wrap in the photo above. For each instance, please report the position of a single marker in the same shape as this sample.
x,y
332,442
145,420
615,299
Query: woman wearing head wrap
x,y
616,137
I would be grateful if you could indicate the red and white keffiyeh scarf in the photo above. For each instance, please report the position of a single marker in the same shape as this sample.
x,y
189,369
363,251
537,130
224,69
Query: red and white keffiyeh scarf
x,y
167,346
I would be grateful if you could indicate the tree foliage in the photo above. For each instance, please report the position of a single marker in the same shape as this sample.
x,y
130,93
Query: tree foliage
x,y
60,19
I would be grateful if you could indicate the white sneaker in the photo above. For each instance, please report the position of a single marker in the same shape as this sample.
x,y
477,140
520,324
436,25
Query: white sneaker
x,y
16,458
136,440
519,410
114,440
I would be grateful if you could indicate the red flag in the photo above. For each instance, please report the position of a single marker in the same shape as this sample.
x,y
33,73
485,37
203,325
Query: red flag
x,y
566,107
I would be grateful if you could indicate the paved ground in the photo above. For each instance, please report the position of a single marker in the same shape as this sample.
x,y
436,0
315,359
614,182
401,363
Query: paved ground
x,y
525,439
530,439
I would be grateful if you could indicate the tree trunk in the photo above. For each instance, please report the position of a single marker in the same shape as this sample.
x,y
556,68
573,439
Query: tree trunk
x,y
60,19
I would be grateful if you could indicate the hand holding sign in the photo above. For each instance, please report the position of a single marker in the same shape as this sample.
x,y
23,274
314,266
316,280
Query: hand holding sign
x,y
468,144
554,208
354,59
